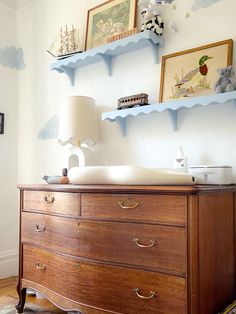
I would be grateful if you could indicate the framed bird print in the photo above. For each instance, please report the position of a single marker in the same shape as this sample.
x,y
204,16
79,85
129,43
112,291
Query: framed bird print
x,y
193,72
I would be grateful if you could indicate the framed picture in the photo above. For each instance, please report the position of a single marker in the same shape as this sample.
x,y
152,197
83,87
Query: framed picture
x,y
1,123
108,19
193,72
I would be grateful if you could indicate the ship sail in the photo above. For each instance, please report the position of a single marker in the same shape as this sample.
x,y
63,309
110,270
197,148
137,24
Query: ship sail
x,y
66,43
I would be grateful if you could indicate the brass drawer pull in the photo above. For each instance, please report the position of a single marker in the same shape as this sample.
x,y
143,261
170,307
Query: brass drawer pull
x,y
152,294
152,243
40,229
128,204
41,266
49,199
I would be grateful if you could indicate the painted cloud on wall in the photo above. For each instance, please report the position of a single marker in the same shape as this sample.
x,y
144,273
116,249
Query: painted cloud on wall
x,y
200,4
12,57
50,130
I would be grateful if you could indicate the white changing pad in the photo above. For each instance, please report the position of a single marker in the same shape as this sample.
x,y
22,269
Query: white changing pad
x,y
128,175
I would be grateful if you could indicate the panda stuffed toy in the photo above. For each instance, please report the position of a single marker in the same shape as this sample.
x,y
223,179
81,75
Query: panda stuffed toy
x,y
152,22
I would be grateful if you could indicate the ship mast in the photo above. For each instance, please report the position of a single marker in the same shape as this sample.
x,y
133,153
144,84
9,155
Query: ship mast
x,y
73,41
66,36
61,50
66,43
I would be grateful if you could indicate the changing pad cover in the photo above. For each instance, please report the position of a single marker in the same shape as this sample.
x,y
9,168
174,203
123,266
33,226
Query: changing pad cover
x,y
128,175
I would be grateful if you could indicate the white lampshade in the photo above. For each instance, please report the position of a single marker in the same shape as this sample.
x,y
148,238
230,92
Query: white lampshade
x,y
78,122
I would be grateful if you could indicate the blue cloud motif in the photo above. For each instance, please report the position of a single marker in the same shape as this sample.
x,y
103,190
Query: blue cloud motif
x,y
200,4
50,130
12,57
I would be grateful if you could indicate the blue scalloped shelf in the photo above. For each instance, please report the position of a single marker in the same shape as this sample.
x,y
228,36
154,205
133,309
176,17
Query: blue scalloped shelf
x,y
172,107
106,52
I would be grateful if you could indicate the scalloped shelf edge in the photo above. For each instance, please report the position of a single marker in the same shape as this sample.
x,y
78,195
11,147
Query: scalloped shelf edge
x,y
106,52
172,107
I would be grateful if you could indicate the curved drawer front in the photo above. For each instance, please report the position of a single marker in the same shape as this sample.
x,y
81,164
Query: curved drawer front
x,y
166,209
52,202
150,246
126,290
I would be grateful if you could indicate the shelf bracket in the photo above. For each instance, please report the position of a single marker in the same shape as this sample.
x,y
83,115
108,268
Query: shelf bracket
x,y
122,124
154,49
107,61
173,118
70,73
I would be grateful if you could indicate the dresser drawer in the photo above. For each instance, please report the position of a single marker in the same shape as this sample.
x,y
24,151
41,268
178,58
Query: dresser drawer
x,y
169,209
122,292
153,247
52,202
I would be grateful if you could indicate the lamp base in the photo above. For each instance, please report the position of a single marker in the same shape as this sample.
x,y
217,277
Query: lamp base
x,y
75,157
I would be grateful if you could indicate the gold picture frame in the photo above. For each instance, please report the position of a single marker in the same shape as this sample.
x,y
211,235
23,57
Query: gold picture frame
x,y
109,19
193,72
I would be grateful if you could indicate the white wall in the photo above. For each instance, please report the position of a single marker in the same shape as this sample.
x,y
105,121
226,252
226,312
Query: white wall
x,y
8,147
208,135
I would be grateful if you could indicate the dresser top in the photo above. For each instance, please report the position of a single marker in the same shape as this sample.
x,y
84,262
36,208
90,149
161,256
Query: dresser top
x,y
149,189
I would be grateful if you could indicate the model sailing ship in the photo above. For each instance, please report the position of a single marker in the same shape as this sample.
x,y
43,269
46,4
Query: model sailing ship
x,y
66,44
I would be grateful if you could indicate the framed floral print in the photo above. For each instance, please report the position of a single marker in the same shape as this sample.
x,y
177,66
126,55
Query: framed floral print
x,y
107,19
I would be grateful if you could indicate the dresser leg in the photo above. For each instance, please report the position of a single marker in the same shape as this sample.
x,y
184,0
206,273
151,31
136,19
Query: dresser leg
x,y
21,304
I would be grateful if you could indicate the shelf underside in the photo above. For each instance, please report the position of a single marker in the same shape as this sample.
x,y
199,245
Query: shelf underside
x,y
172,107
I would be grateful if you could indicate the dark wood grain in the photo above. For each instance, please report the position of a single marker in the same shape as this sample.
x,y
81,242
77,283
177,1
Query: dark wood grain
x,y
216,251
64,303
21,292
141,189
107,241
52,202
193,255
169,209
92,264
105,286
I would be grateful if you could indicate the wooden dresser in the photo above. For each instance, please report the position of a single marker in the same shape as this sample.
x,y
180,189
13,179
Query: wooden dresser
x,y
128,249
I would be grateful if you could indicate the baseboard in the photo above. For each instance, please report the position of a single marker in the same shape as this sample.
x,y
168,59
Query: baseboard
x,y
8,280
8,264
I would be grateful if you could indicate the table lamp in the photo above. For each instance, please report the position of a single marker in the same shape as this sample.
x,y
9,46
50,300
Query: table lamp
x,y
78,127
